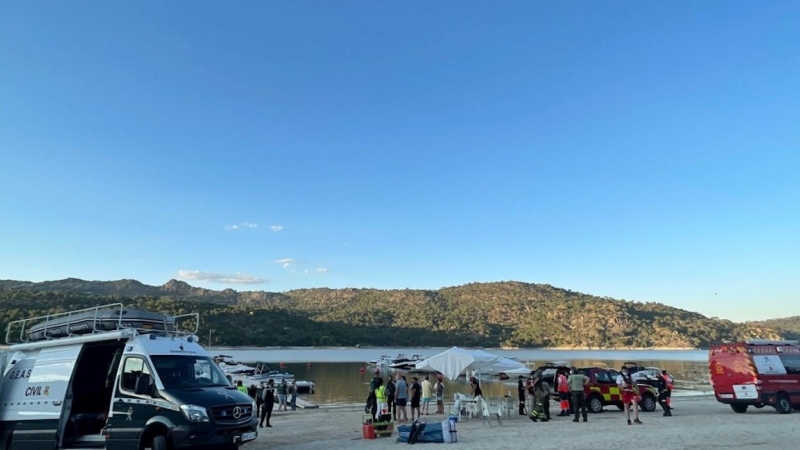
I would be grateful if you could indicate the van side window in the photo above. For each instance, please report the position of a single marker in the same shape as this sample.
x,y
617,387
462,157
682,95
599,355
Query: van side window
x,y
791,363
134,367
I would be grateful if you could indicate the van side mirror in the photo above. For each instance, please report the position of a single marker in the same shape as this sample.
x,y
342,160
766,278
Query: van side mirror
x,y
143,384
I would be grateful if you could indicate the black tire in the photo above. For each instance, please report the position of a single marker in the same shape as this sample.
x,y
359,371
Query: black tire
x,y
648,403
739,408
783,405
160,443
594,404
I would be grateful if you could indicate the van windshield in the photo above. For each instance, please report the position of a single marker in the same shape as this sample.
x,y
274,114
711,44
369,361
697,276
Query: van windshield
x,y
181,371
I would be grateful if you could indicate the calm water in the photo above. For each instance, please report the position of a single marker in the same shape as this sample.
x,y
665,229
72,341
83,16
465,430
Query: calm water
x,y
337,374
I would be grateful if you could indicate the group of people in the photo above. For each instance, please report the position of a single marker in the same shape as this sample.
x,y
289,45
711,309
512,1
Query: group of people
x,y
572,397
391,398
265,395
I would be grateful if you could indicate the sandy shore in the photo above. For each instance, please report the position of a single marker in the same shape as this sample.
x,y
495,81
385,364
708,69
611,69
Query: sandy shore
x,y
699,422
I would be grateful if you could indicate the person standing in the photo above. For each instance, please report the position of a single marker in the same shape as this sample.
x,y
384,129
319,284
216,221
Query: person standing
x,y
391,390
260,398
629,394
663,394
402,399
521,393
427,391
476,388
439,388
670,382
539,411
577,382
269,403
293,394
283,389
241,387
416,396
563,393
372,405
380,399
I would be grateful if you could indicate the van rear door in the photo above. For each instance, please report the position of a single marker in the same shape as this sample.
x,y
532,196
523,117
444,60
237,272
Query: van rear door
x,y
34,389
733,374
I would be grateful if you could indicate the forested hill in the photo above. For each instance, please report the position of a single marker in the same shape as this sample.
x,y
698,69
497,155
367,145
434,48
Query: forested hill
x,y
481,314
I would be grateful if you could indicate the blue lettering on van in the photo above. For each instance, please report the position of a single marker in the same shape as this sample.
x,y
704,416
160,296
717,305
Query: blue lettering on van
x,y
33,391
20,373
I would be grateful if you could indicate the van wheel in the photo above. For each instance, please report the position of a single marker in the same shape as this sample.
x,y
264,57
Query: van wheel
x,y
160,443
595,404
783,406
738,408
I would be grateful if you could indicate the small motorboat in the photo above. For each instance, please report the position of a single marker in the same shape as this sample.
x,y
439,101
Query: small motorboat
x,y
405,363
384,360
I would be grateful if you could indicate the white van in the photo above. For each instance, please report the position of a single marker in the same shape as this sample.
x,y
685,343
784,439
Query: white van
x,y
117,379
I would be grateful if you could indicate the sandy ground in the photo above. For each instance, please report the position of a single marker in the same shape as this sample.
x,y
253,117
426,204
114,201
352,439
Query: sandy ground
x,y
698,423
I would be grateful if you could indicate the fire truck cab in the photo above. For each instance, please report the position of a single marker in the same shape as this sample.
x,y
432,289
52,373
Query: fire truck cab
x,y
756,373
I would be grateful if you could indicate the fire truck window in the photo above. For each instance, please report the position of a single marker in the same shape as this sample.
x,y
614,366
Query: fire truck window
x,y
604,378
791,363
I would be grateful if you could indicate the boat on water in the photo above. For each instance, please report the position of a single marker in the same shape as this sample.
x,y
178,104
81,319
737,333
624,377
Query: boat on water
x,y
405,363
384,360
260,373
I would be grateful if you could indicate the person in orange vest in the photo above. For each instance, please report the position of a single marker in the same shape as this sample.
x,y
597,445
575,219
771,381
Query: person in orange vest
x,y
668,381
563,393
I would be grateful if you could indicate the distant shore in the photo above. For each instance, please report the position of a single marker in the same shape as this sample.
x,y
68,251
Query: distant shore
x,y
586,349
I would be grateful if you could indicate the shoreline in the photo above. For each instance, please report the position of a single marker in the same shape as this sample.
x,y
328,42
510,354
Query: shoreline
x,y
577,349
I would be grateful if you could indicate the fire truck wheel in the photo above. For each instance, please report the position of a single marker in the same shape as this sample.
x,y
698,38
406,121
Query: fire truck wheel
x,y
739,408
595,403
783,406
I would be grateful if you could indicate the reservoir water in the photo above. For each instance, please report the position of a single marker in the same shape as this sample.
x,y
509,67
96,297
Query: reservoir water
x,y
339,380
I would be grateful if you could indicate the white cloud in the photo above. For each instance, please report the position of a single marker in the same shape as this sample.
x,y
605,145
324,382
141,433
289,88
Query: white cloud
x,y
322,270
276,228
238,278
241,225
285,262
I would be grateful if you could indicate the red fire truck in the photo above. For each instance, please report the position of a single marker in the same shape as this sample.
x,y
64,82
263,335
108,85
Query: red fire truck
x,y
756,373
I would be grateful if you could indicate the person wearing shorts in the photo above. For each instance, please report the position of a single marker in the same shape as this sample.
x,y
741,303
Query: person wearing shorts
x,y
427,391
416,396
629,400
401,399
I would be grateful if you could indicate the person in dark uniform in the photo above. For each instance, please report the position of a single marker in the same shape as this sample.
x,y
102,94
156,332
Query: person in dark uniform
x,y
663,395
269,403
260,398
391,388
521,393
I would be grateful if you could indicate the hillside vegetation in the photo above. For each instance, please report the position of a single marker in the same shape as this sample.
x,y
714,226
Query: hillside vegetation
x,y
509,314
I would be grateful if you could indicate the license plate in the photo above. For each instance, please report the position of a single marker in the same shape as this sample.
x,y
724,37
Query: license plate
x,y
249,436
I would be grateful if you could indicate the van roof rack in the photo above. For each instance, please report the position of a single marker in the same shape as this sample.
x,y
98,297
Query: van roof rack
x,y
770,342
98,319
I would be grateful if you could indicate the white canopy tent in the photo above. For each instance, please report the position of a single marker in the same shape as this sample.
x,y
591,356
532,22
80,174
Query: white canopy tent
x,y
456,361
504,365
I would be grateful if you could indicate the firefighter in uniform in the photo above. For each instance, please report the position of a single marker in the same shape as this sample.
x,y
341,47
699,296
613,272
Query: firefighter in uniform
x,y
667,380
663,395
540,395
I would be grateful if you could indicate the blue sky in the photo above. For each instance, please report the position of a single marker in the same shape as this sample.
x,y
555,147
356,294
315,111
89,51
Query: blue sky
x,y
639,150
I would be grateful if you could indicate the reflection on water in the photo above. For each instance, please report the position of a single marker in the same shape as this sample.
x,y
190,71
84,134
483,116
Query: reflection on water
x,y
344,382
